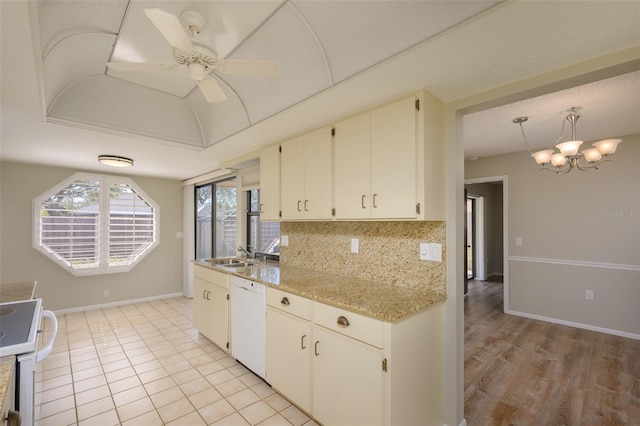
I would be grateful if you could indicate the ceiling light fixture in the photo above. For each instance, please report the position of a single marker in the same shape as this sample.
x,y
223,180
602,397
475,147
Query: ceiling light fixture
x,y
569,158
115,161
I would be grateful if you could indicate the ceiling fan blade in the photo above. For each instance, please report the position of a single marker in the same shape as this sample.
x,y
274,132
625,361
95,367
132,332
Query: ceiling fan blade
x,y
251,67
139,66
211,90
170,27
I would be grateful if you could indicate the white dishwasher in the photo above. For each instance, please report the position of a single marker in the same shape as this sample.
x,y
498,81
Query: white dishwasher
x,y
248,310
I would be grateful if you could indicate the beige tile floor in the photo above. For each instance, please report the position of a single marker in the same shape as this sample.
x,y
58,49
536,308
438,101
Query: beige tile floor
x,y
145,364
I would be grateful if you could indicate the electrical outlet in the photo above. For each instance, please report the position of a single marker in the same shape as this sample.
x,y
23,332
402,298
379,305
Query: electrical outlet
x,y
355,243
425,251
518,241
589,294
106,292
284,240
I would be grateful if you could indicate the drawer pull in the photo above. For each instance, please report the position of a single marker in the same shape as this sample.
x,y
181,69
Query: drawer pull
x,y
302,346
343,321
284,301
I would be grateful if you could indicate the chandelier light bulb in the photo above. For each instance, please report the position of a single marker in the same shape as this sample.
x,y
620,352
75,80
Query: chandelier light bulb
x,y
607,146
592,155
542,157
558,159
569,148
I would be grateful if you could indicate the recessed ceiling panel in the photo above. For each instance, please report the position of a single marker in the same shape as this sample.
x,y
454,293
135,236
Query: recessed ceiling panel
x,y
74,58
57,18
287,39
219,120
124,107
357,35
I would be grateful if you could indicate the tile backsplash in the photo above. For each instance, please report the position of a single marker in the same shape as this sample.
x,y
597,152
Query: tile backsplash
x,y
389,252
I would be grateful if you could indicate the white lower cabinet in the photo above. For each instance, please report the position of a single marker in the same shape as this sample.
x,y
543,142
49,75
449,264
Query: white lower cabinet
x,y
211,305
348,380
344,368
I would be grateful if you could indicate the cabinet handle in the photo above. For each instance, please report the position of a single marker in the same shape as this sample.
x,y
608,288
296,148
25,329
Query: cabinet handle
x,y
305,205
315,348
261,204
299,209
14,418
375,206
285,301
343,321
362,201
302,346
204,294
208,293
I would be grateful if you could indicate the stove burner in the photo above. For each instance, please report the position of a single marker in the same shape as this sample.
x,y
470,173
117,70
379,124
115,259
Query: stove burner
x,y
6,310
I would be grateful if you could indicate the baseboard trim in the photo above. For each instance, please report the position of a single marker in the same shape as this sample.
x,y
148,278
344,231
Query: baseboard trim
x,y
118,303
576,325
620,266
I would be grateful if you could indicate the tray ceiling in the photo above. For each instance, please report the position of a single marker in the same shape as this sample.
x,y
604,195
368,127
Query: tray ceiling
x,y
317,45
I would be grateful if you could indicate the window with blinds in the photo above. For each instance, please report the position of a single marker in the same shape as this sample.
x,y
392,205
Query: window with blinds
x,y
93,224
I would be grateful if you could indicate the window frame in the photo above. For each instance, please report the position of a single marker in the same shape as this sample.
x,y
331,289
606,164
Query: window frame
x,y
214,235
249,214
103,229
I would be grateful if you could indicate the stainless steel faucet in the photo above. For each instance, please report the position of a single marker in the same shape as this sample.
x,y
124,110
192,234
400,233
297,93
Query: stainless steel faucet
x,y
247,252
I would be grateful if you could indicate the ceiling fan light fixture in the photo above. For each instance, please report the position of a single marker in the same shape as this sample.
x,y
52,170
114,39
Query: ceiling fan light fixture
x,y
197,71
115,161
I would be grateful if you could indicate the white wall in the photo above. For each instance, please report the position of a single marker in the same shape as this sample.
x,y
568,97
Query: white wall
x,y
580,231
159,273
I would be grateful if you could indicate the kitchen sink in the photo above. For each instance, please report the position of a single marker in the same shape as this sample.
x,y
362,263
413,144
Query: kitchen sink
x,y
230,261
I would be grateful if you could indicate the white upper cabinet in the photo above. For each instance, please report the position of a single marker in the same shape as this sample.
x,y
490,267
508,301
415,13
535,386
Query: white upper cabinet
x,y
376,163
306,176
270,183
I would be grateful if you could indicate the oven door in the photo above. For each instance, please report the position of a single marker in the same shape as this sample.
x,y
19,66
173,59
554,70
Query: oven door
x,y
27,363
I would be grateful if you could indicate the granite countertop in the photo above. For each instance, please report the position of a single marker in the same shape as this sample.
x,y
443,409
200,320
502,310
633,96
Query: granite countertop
x,y
12,292
6,370
378,300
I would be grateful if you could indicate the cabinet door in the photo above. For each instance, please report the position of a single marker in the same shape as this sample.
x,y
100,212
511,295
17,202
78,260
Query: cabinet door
x,y
292,179
317,174
348,381
270,183
201,306
352,168
393,161
219,316
288,356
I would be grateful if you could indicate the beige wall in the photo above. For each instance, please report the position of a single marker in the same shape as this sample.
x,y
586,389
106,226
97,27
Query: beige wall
x,y
580,231
158,274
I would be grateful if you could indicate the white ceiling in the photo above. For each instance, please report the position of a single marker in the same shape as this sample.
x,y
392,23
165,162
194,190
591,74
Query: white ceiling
x,y
60,104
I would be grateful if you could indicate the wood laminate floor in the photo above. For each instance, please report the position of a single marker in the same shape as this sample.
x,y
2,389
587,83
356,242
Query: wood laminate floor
x,y
520,371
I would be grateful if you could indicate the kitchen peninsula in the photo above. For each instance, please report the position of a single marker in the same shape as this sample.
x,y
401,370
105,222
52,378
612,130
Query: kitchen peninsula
x,y
348,349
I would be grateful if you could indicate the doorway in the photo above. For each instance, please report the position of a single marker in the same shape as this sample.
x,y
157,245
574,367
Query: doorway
x,y
486,233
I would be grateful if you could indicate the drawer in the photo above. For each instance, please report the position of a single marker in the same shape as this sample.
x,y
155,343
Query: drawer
x,y
215,277
360,327
291,303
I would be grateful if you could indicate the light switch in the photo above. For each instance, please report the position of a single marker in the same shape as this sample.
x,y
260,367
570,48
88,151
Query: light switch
x,y
436,252
518,241
355,245
284,240
179,235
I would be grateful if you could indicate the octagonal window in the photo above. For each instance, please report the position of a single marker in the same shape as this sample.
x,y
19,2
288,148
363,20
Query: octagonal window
x,y
94,224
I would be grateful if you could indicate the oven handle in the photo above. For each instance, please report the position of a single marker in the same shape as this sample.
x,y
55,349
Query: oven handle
x,y
44,352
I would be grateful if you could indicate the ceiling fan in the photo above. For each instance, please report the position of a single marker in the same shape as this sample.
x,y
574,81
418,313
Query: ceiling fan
x,y
200,60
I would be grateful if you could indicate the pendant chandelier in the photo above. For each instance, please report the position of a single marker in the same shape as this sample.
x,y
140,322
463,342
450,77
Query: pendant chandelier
x,y
569,158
